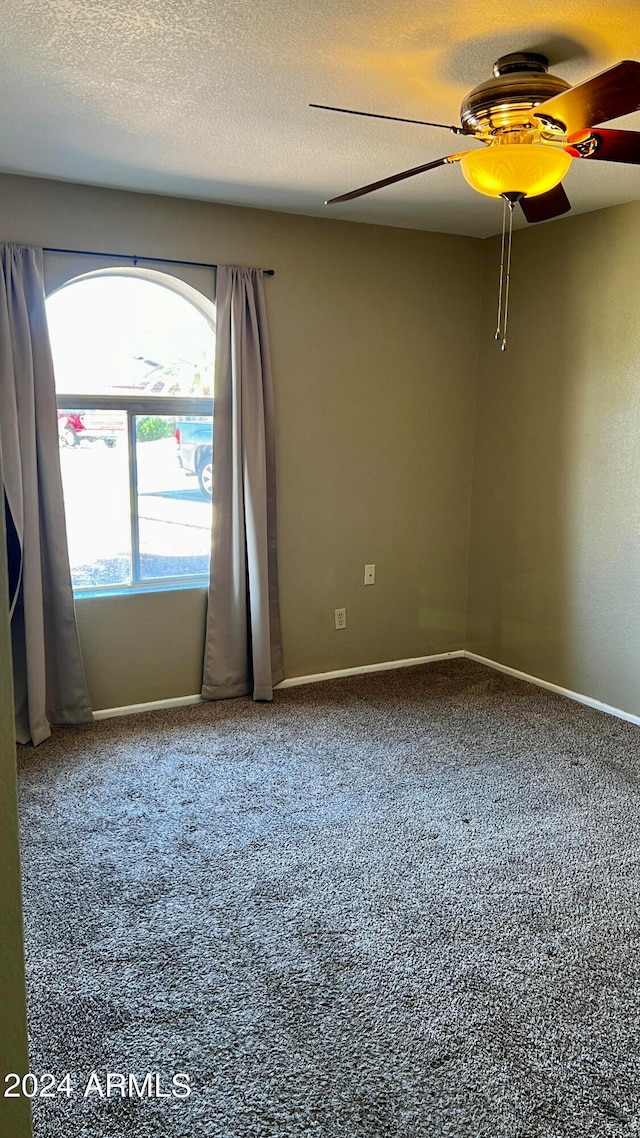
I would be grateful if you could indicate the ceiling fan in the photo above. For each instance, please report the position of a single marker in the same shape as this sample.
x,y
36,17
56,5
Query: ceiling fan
x,y
532,125
546,122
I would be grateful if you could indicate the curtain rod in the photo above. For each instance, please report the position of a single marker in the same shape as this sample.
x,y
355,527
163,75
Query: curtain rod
x,y
155,260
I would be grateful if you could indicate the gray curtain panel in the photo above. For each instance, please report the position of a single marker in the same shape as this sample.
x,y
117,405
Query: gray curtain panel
x,y
243,651
49,681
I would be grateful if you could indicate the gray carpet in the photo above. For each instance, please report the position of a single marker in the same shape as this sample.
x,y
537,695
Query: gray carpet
x,y
403,905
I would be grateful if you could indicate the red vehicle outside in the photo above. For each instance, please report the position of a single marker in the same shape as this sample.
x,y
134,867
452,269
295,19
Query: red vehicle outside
x,y
75,427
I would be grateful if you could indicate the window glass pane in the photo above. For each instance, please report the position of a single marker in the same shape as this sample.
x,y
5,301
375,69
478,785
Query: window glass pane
x,y
137,498
174,495
95,478
119,335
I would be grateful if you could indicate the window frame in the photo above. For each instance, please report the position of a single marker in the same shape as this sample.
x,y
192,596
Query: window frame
x,y
162,405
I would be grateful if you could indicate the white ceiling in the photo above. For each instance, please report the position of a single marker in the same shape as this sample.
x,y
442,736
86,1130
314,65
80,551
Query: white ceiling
x,y
208,98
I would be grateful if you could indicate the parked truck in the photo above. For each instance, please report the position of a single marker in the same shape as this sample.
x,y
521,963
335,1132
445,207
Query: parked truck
x,y
195,451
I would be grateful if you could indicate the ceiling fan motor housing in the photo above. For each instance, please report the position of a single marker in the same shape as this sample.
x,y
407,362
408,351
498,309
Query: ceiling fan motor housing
x,y
505,103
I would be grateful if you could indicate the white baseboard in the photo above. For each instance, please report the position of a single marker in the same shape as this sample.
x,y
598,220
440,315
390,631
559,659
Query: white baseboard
x,y
154,705
385,666
576,696
295,681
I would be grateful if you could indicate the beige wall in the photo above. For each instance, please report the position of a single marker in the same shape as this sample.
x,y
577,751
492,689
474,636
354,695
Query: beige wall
x,y
375,377
374,336
554,575
14,1113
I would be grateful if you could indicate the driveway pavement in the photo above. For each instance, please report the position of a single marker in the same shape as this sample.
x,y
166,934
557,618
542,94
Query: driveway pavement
x,y
174,518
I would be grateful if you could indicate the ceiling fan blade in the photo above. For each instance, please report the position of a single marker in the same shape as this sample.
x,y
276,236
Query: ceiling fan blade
x,y
545,206
393,118
606,96
606,145
396,178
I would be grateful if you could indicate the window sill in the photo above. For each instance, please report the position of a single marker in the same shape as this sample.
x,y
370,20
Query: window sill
x,y
81,594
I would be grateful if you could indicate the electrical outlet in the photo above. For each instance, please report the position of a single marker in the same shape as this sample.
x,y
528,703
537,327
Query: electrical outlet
x,y
341,618
369,574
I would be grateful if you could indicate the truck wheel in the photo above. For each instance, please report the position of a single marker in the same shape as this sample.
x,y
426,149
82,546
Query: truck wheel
x,y
69,437
110,442
205,476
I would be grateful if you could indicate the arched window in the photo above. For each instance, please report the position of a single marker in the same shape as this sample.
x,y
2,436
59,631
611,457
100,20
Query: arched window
x,y
133,353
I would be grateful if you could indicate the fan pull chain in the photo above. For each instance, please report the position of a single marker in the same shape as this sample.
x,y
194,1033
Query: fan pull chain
x,y
504,230
503,346
509,202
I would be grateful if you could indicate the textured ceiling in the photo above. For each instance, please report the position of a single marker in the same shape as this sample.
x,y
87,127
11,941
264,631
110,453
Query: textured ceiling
x,y
209,99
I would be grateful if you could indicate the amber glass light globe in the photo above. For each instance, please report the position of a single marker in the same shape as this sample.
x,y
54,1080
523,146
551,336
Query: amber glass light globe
x,y
529,169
